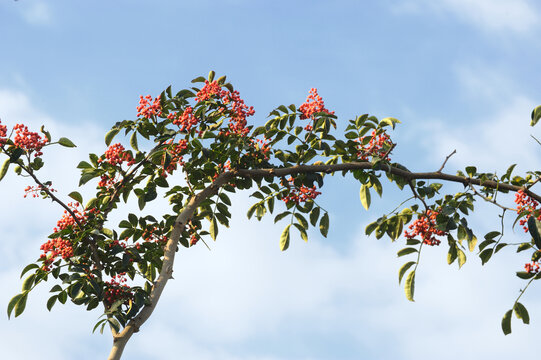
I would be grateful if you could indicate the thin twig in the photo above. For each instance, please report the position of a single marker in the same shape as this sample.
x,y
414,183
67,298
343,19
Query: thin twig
x,y
487,199
417,195
388,151
539,142
445,162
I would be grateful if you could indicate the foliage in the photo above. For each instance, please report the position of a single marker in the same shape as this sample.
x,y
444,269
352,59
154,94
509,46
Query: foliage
x,y
203,133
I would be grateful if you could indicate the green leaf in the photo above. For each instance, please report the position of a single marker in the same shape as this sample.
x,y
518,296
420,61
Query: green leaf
x,y
371,227
365,196
324,224
534,226
253,208
491,235
314,216
536,115
110,136
485,255
16,154
525,275
506,322
91,203
14,300
84,165
270,204
280,216
141,202
406,251
304,235
211,76
471,170
28,282
125,224
28,268
86,178
66,142
199,79
452,254
51,302
213,229
522,313
56,288
76,196
472,242
126,233
4,169
102,321
225,199
524,246
133,141
409,286
284,238
403,270
21,304
389,121
301,220
107,232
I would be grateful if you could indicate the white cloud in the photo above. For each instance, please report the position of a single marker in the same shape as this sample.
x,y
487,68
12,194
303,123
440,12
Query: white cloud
x,y
501,16
37,12
493,141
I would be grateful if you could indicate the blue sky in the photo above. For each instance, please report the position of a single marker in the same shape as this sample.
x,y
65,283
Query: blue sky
x,y
459,74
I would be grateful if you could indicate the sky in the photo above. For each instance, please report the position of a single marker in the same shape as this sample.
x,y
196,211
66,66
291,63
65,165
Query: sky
x,y
459,74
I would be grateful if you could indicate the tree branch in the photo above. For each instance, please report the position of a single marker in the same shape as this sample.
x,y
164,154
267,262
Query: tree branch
x,y
365,165
121,339
166,272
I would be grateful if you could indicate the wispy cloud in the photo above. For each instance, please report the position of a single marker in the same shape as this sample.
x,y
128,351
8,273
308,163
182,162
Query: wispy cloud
x,y
497,138
37,13
520,16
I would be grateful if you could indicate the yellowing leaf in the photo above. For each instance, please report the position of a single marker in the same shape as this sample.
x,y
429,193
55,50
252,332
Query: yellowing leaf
x,y
409,286
365,196
284,238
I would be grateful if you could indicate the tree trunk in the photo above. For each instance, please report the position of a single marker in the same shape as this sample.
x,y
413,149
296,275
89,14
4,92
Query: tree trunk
x,y
119,344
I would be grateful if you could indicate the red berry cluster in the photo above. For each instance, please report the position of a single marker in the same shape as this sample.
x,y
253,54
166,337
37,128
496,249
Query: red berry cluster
x,y
52,249
261,146
301,194
3,133
425,228
532,268
107,182
35,190
185,121
237,123
238,110
314,104
117,289
209,90
193,240
221,169
28,140
67,220
375,147
525,204
116,155
120,242
148,110
176,151
150,235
